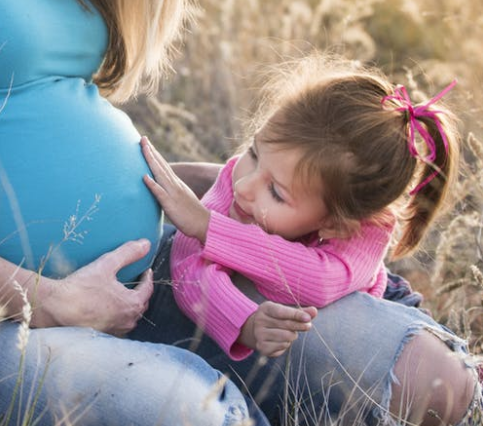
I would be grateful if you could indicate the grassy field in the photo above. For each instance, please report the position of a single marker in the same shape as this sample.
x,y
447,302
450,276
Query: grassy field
x,y
204,106
201,112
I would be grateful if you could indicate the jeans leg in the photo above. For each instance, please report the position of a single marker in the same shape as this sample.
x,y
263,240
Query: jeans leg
x,y
259,380
340,372
82,377
183,333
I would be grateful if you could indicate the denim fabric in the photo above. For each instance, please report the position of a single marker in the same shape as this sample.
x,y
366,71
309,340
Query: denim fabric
x,y
399,290
77,376
338,373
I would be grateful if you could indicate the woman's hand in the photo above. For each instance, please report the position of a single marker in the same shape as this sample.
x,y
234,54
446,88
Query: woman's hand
x,y
93,297
178,201
272,329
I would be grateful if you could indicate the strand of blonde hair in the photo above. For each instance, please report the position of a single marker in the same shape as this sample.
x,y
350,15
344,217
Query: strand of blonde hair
x,y
143,37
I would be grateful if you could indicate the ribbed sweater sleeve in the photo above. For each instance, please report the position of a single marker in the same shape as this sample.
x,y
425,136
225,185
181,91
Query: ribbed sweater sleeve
x,y
205,293
290,272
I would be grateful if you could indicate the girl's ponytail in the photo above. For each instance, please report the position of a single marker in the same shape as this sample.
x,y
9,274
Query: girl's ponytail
x,y
432,188
438,131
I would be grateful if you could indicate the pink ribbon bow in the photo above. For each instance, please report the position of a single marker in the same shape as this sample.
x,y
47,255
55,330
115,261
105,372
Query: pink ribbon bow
x,y
401,97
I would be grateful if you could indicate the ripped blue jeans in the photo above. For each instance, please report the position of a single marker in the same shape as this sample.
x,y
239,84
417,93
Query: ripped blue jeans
x,y
340,372
80,377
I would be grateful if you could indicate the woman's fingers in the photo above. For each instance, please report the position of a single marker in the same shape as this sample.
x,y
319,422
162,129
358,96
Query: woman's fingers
x,y
145,289
111,263
132,303
115,308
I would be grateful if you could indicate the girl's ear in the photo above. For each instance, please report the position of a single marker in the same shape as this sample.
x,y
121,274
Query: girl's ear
x,y
329,229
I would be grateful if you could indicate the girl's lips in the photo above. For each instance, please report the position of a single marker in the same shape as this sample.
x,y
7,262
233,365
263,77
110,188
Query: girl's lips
x,y
242,214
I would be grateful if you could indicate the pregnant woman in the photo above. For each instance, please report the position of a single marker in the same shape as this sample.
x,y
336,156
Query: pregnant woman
x,y
71,190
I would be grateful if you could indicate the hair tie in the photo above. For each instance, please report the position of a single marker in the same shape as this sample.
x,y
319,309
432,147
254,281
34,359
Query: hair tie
x,y
401,98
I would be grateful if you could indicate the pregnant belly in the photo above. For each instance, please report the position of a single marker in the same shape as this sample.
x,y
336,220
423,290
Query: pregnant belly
x,y
71,180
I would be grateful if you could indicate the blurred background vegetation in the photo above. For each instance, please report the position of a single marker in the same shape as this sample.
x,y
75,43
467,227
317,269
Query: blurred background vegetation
x,y
201,110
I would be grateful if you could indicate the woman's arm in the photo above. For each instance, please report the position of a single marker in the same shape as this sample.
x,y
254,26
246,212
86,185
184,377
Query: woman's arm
x,y
15,281
90,297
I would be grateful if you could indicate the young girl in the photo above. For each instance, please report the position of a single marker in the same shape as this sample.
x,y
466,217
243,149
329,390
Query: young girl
x,y
308,210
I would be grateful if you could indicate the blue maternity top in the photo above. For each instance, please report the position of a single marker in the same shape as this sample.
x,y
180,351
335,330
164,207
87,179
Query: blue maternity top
x,y
70,163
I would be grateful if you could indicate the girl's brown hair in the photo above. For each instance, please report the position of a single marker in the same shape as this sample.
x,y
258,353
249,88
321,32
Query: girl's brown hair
x,y
141,38
333,111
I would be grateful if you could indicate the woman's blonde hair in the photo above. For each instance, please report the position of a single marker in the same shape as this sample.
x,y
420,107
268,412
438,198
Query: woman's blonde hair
x,y
333,111
142,34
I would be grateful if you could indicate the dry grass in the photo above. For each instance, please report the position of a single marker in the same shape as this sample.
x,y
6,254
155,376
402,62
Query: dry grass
x,y
201,111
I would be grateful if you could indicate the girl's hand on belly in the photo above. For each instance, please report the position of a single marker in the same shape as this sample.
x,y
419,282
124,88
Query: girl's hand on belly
x,y
93,297
178,201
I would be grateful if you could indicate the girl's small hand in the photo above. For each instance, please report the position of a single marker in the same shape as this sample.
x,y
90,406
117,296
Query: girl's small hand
x,y
177,200
272,329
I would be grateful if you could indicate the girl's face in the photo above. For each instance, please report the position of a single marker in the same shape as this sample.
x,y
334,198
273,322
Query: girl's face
x,y
267,194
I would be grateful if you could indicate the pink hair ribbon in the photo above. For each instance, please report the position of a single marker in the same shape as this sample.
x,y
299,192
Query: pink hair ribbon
x,y
401,98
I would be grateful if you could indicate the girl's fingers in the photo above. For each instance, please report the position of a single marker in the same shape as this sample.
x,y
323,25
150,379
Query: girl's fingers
x,y
297,326
282,312
279,336
157,190
291,326
156,154
272,349
148,153
277,353
161,161
311,310
278,316
159,166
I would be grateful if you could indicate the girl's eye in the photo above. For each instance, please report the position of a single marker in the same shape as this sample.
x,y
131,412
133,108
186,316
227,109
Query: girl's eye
x,y
252,153
275,194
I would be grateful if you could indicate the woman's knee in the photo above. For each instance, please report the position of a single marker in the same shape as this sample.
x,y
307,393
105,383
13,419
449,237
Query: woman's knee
x,y
434,385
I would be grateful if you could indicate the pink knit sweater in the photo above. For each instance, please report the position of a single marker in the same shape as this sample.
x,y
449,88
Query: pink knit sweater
x,y
296,273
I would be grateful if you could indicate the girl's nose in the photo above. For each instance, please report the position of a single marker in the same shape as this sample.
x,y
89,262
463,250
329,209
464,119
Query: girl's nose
x,y
245,188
